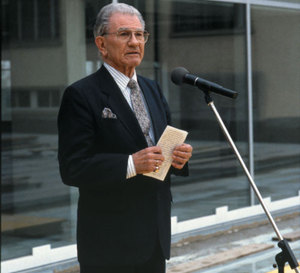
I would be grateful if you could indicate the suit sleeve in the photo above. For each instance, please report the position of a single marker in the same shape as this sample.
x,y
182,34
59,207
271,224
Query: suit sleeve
x,y
81,162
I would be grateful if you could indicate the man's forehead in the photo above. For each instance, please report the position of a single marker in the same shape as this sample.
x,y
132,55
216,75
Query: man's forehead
x,y
129,29
121,20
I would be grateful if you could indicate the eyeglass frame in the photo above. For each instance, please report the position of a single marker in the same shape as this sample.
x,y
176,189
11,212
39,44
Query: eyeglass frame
x,y
146,34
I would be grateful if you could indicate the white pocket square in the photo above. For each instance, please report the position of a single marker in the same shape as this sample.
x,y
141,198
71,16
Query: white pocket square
x,y
107,113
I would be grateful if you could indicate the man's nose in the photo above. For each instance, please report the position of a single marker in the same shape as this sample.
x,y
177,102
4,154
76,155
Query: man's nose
x,y
133,39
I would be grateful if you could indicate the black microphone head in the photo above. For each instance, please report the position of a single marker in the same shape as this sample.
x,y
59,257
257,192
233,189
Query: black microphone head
x,y
178,74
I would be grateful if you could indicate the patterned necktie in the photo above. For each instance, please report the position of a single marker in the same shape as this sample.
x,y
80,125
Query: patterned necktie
x,y
140,110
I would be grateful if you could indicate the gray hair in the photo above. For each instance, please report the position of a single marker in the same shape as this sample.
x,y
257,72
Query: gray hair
x,y
102,19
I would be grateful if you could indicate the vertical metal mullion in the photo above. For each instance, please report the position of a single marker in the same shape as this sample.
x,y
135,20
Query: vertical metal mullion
x,y
250,99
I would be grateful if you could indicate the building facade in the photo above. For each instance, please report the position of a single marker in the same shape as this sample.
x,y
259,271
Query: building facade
x,y
249,46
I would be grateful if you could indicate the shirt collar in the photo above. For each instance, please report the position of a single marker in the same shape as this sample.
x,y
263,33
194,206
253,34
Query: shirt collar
x,y
121,79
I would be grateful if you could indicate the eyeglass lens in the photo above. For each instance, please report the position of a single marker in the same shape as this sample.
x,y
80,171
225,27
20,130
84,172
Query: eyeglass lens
x,y
141,36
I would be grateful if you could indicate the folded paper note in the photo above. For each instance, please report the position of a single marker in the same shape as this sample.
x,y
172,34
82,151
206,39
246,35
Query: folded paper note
x,y
170,138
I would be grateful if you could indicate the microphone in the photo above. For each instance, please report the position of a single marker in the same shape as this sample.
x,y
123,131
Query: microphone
x,y
180,75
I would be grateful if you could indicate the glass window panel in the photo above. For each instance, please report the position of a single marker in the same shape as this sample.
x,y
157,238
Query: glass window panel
x,y
211,44
4,21
190,18
5,90
30,20
12,11
36,208
276,55
288,1
44,19
48,14
55,98
55,27
44,98
21,98
28,17
92,8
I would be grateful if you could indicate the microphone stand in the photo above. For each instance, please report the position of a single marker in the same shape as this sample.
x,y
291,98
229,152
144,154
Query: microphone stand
x,y
286,255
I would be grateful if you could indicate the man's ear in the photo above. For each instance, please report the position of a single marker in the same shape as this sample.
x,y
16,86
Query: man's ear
x,y
100,43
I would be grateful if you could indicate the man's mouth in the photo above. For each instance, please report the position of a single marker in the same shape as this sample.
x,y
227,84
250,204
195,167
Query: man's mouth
x,y
133,53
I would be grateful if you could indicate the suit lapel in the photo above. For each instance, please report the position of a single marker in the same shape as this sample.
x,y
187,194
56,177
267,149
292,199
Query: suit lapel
x,y
120,107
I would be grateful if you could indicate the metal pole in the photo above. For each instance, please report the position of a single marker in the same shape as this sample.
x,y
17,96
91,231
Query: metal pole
x,y
227,135
286,254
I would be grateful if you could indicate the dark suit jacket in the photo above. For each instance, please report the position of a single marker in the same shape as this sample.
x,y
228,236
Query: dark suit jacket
x,y
119,220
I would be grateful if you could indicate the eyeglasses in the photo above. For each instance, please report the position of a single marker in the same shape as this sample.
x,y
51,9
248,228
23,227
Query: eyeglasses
x,y
125,35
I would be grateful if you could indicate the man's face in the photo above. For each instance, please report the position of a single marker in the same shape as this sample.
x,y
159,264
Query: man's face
x,y
122,55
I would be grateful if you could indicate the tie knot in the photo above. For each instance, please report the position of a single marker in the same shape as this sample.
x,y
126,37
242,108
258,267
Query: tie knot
x,y
132,84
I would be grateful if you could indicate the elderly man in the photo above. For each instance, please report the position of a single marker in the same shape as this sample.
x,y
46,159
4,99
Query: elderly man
x,y
108,125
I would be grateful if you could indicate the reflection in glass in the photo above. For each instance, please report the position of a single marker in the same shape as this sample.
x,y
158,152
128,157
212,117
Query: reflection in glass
x,y
37,209
30,20
35,205
209,43
276,54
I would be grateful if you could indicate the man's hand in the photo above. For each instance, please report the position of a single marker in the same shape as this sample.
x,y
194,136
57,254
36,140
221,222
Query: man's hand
x,y
148,160
181,154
